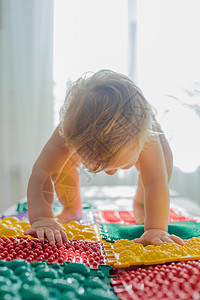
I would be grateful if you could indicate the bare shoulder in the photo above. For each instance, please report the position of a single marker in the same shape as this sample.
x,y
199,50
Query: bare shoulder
x,y
54,154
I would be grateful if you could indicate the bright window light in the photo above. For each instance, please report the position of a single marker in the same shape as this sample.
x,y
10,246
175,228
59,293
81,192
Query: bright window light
x,y
169,63
89,35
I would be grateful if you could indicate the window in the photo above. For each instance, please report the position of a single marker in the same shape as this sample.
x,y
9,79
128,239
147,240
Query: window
x,y
89,35
168,59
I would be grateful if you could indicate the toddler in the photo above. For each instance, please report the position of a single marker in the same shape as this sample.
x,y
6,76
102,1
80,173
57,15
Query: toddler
x,y
106,124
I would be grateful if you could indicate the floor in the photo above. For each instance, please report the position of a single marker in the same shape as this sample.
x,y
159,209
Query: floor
x,y
121,198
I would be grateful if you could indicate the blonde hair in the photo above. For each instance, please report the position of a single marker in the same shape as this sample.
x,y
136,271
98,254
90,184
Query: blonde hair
x,y
103,113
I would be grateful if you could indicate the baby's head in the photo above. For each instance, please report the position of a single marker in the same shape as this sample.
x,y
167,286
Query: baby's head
x,y
104,116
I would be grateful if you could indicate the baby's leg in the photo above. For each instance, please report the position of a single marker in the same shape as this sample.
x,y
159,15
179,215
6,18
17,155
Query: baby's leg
x,y
68,191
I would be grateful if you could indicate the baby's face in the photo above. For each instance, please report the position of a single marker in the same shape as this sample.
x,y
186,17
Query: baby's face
x,y
126,159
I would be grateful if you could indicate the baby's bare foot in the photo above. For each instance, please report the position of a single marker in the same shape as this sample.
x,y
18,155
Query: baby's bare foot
x,y
66,216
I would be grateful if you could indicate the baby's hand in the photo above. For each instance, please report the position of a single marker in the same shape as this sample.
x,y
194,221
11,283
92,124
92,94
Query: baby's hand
x,y
158,237
49,228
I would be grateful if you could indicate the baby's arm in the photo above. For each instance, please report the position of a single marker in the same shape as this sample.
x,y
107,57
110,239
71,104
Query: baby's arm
x,y
40,190
156,200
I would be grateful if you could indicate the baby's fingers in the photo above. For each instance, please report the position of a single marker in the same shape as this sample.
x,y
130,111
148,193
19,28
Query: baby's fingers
x,y
31,232
49,233
140,241
40,234
64,236
157,241
58,237
177,239
167,239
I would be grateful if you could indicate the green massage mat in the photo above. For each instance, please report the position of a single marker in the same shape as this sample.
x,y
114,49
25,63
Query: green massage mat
x,y
113,232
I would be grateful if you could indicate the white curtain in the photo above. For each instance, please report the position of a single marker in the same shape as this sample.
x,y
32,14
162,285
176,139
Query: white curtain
x,y
26,90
